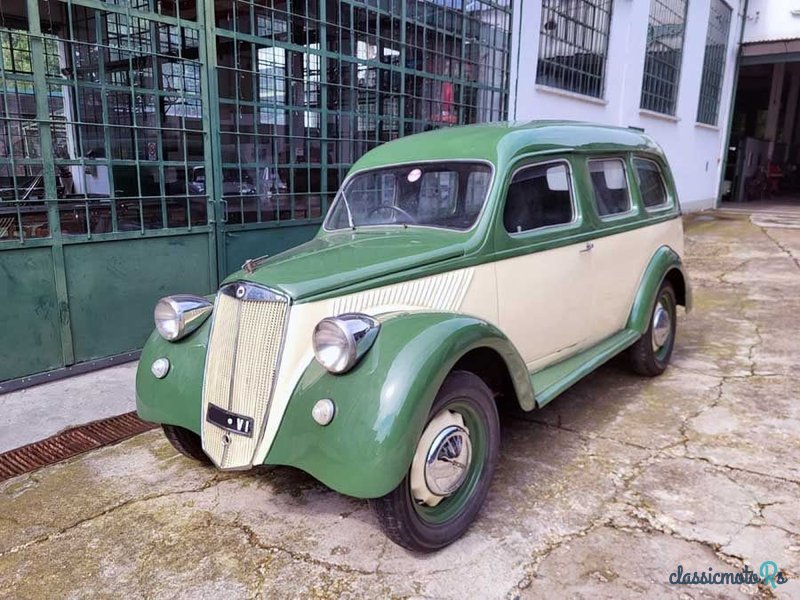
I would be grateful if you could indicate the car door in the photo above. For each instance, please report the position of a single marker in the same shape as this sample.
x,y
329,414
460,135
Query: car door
x,y
543,271
622,247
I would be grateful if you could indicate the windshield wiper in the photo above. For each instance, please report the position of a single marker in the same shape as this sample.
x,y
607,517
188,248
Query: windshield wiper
x,y
347,208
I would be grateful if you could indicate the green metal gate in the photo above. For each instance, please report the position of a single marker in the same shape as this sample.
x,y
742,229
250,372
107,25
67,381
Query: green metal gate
x,y
149,147
105,119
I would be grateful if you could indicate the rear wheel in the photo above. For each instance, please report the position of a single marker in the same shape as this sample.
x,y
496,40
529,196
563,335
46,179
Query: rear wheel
x,y
651,353
451,471
186,442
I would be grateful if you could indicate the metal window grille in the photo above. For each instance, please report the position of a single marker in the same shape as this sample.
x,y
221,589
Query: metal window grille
x,y
302,89
573,45
662,65
308,86
719,24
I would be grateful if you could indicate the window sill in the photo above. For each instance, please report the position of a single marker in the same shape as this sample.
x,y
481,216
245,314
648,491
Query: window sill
x,y
707,126
657,115
567,94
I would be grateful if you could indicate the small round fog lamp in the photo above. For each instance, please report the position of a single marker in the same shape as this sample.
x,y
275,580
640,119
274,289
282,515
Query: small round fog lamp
x,y
323,411
160,368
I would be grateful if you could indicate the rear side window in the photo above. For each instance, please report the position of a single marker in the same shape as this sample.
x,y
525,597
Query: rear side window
x,y
610,186
538,196
651,183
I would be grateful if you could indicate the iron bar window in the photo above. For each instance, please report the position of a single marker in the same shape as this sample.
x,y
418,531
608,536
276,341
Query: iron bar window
x,y
573,45
296,90
306,88
662,66
719,25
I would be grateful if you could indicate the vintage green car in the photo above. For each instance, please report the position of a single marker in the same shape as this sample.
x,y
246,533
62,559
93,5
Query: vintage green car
x,y
456,272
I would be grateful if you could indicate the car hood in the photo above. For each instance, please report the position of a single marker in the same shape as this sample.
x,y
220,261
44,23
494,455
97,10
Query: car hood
x,y
337,260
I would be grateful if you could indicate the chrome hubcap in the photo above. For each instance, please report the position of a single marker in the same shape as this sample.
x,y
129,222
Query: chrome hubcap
x,y
441,462
662,326
448,461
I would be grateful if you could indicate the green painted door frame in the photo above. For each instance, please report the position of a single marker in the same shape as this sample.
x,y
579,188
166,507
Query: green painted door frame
x,y
48,168
70,298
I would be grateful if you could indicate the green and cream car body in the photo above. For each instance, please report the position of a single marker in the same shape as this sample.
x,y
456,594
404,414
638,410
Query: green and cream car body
x,y
458,271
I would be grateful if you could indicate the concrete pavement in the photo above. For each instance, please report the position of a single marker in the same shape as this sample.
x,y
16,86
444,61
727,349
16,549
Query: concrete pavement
x,y
621,480
35,413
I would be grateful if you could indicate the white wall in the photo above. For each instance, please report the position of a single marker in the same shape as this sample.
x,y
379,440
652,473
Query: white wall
x,y
695,151
772,20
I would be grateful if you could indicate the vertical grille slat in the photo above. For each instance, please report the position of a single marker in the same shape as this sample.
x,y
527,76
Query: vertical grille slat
x,y
241,363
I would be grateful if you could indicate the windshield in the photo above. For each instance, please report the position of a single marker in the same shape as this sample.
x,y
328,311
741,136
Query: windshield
x,y
441,194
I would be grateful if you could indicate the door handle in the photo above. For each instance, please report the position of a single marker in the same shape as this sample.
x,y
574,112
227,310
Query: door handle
x,y
588,247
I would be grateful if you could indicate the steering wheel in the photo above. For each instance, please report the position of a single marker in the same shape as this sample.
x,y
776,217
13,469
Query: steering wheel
x,y
392,207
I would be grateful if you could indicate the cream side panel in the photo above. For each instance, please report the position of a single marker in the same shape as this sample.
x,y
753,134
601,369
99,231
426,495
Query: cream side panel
x,y
469,291
544,299
618,264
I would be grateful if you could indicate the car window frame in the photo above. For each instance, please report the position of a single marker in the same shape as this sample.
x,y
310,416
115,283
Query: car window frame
x,y
538,232
670,203
633,211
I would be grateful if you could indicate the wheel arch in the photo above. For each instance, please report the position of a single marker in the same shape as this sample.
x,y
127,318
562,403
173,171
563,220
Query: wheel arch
x,y
488,364
664,265
383,404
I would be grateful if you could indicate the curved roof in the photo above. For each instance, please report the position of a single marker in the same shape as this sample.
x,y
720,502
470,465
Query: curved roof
x,y
500,142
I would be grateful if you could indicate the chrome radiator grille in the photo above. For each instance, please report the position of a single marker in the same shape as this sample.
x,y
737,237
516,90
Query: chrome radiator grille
x,y
241,366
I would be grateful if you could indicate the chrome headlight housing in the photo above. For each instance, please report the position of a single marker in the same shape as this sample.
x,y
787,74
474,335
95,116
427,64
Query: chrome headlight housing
x,y
340,342
178,316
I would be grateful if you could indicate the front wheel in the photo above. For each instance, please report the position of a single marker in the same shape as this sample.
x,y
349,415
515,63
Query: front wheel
x,y
451,470
651,353
186,442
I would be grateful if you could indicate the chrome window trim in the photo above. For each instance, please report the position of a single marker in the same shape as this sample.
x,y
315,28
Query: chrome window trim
x,y
478,218
263,294
656,207
633,209
577,215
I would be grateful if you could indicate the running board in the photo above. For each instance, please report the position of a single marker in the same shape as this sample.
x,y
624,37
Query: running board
x,y
555,379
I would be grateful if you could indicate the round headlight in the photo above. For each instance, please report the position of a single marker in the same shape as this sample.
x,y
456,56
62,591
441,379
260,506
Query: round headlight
x,y
178,316
340,342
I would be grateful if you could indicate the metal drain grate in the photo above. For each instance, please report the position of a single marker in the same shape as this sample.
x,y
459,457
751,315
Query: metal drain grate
x,y
70,443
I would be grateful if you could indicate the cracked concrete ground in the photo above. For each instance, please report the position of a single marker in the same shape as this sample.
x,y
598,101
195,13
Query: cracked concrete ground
x,y
615,484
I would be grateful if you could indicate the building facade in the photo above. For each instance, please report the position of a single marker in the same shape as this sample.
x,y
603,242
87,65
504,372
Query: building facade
x,y
665,66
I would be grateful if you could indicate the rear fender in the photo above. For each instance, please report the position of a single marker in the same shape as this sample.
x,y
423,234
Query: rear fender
x,y
665,264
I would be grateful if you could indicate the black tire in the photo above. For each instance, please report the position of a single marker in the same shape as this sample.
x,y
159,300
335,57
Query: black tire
x,y
186,442
645,359
402,518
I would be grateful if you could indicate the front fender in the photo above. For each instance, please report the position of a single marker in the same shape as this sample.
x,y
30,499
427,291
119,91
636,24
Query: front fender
x,y
382,405
176,399
665,263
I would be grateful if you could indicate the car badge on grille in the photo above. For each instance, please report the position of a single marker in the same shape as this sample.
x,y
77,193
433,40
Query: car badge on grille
x,y
240,292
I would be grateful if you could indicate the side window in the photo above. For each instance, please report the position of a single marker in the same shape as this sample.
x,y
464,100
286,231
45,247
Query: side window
x,y
538,196
610,185
651,183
